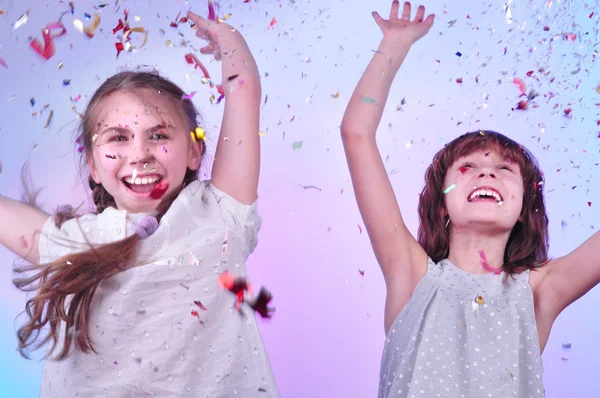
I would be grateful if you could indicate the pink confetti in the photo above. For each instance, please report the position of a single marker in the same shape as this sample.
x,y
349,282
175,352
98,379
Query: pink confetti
x,y
519,82
212,16
486,265
3,62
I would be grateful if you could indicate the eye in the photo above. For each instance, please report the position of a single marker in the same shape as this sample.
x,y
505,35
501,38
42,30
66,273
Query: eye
x,y
158,136
119,137
506,167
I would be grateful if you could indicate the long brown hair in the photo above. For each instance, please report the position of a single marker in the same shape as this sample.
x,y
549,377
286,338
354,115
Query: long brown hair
x,y
527,246
65,287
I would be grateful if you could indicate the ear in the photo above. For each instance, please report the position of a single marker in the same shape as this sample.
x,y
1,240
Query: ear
x,y
195,154
92,168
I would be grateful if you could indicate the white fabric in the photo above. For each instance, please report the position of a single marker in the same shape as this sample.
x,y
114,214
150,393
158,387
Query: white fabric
x,y
148,342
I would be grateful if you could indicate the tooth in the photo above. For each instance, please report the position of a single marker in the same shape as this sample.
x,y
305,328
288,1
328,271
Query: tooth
x,y
144,181
138,181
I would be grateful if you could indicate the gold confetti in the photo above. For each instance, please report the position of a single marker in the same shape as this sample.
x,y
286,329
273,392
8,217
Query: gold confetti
x,y
262,133
336,95
479,300
598,88
49,119
128,45
137,18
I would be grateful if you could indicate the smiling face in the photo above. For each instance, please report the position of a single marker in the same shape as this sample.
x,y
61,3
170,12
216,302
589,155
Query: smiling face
x,y
140,140
488,191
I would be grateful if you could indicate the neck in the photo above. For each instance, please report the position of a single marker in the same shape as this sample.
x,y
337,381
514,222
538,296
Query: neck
x,y
465,245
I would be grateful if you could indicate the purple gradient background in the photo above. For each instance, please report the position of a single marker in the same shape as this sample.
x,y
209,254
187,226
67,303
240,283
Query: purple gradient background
x,y
327,335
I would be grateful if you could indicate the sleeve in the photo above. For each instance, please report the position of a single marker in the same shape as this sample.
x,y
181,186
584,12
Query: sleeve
x,y
239,217
70,238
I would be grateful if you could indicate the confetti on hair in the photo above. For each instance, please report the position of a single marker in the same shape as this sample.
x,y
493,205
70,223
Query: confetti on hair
x,y
3,62
189,96
159,190
450,188
89,30
486,265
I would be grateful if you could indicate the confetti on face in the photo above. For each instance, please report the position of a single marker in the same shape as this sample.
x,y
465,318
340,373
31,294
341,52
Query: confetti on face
x,y
463,169
159,190
450,188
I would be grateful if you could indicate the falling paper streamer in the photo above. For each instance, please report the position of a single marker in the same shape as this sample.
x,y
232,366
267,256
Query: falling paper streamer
x,y
89,30
128,45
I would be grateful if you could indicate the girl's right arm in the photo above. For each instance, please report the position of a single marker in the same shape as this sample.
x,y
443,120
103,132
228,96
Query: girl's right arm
x,y
402,260
20,228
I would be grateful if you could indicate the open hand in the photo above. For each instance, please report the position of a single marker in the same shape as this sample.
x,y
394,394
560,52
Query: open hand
x,y
211,31
403,29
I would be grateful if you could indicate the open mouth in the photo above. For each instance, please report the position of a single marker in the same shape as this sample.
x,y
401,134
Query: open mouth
x,y
144,184
485,195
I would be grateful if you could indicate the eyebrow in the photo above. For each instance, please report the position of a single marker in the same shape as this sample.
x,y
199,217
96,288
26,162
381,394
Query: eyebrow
x,y
122,129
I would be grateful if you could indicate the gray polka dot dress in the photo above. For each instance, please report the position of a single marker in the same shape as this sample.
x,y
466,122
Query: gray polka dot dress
x,y
464,335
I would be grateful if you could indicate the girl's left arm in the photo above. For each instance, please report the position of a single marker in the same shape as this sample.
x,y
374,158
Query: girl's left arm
x,y
570,277
237,158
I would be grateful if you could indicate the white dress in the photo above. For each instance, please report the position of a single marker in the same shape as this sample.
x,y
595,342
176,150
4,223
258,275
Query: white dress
x,y
148,342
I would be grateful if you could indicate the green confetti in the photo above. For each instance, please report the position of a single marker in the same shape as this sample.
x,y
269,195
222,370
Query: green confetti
x,y
450,188
369,100
297,144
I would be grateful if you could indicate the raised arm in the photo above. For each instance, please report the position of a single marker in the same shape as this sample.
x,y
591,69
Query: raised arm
x,y
237,159
20,227
400,257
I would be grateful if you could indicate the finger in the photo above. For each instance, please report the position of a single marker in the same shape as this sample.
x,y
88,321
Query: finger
x,y
377,17
430,19
406,11
395,8
420,14
207,50
198,20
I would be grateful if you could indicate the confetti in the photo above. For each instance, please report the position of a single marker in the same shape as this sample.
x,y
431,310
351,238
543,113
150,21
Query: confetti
x,y
409,144
359,228
89,31
66,82
159,190
32,101
310,187
138,29
369,100
486,265
361,271
336,95
598,88
192,59
273,22
297,144
567,346
212,16
47,50
240,285
519,82
22,20
49,119
450,188
3,62
458,54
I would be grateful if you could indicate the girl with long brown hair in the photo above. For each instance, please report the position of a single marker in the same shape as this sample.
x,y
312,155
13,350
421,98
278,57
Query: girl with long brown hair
x,y
471,301
129,297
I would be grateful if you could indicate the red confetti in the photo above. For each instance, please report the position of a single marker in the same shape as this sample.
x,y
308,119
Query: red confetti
x,y
240,285
567,111
519,82
47,50
273,22
486,265
590,204
199,304
119,46
546,28
159,190
522,105
459,80
463,169
212,16
359,229
192,59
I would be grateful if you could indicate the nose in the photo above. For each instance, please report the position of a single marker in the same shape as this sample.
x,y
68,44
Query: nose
x,y
487,171
140,153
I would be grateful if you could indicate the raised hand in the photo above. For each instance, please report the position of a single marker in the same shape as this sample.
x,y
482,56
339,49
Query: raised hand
x,y
210,31
403,29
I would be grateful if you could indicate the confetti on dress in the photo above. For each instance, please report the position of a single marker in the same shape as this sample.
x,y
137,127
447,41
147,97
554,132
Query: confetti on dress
x,y
239,286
